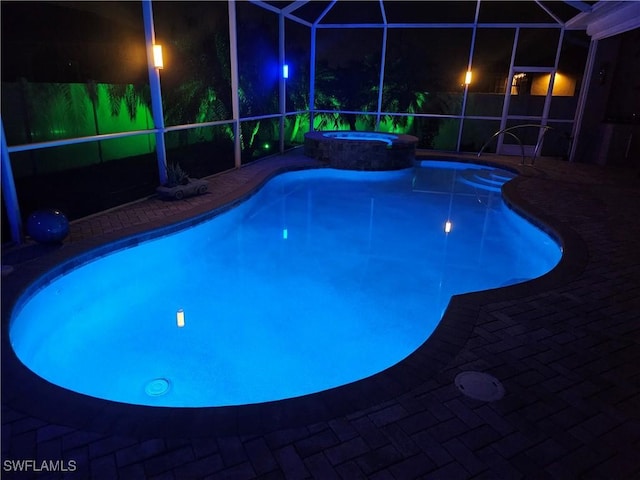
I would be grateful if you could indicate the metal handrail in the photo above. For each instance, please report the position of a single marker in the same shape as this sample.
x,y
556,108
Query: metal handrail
x,y
509,132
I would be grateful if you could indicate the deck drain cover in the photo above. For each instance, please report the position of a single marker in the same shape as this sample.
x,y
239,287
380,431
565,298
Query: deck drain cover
x,y
157,387
480,386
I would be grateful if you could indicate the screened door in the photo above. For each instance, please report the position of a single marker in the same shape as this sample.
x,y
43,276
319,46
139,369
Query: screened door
x,y
526,108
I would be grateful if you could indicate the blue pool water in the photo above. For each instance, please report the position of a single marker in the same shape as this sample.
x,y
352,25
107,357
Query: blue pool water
x,y
388,138
321,278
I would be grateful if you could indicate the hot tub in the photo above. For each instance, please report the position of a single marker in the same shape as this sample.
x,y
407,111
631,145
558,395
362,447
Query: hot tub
x,y
353,150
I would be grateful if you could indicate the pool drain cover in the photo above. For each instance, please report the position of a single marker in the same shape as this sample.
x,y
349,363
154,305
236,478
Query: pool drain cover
x,y
157,387
480,386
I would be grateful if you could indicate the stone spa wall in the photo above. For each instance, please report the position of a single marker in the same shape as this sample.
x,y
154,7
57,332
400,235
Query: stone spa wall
x,y
350,150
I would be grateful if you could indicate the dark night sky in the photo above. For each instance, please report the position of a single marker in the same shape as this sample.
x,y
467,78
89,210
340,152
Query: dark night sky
x,y
47,41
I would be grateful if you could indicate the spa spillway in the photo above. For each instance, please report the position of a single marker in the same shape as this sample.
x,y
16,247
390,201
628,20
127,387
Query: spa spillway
x,y
353,150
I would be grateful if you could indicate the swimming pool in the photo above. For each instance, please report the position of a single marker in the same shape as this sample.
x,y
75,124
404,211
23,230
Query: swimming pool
x,y
326,269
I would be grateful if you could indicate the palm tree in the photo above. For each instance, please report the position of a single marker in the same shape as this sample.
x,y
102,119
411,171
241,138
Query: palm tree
x,y
353,87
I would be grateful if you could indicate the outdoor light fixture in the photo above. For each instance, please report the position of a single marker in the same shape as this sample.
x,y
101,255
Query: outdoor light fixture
x,y
285,71
447,226
285,233
515,83
157,56
467,78
180,318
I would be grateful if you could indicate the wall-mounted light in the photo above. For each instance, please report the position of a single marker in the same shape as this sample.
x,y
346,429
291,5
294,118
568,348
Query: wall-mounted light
x,y
157,56
467,78
180,318
285,233
447,226
285,71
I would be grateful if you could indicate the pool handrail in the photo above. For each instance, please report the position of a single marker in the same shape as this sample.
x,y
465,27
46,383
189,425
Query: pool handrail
x,y
508,131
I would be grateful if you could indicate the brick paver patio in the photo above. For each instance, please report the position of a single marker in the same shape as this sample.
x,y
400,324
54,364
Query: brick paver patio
x,y
566,347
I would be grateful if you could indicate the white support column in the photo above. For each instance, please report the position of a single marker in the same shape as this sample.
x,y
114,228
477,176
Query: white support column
x,y
469,69
312,69
549,97
582,97
382,66
282,81
312,78
9,192
156,92
507,93
382,63
235,99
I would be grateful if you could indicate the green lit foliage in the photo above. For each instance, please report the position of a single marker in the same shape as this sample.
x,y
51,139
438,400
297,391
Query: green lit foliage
x,y
325,99
258,138
67,110
403,91
52,111
199,91
128,96
325,80
412,102
258,77
196,80
210,107
418,84
56,110
298,56
194,102
258,67
297,92
352,87
92,92
248,129
330,121
124,106
295,127
248,132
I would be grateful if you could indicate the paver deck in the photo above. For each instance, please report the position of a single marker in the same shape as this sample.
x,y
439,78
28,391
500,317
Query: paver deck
x,y
566,347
